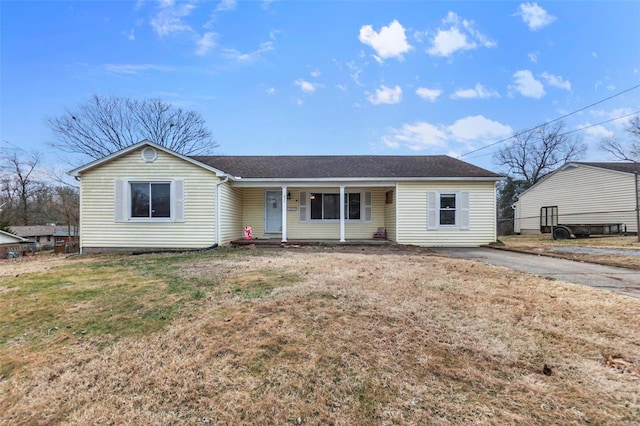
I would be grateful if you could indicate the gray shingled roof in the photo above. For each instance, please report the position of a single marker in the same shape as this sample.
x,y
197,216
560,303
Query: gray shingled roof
x,y
356,166
42,230
617,166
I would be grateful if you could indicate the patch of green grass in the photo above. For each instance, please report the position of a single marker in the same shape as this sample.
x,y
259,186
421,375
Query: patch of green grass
x,y
113,297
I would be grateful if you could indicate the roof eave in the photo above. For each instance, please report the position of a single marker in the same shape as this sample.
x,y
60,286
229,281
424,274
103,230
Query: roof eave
x,y
382,181
78,171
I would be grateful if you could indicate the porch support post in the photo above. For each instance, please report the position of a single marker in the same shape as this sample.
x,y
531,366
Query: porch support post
x,y
284,213
342,240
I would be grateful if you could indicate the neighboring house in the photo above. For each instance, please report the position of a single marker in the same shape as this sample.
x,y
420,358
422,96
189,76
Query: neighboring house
x,y
584,193
46,235
11,244
8,238
147,196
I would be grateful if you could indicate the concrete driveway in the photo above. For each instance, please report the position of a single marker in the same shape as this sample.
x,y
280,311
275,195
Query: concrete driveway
x,y
618,280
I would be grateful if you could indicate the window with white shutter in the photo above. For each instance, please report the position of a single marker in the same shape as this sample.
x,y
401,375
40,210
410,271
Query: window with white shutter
x,y
447,210
139,200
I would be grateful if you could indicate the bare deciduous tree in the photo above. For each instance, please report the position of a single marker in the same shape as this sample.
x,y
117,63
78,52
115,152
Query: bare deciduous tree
x,y
106,124
67,207
629,151
537,152
19,185
28,197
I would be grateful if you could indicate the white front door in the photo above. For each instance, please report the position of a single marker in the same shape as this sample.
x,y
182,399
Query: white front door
x,y
273,212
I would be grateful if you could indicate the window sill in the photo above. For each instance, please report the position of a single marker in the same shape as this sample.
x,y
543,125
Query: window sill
x,y
150,220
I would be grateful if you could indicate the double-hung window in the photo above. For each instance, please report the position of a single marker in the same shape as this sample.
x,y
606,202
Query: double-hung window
x,y
448,210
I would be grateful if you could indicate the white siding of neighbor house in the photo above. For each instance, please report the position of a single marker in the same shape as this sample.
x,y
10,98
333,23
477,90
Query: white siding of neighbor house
x,y
412,211
253,212
231,213
390,216
4,238
101,231
583,194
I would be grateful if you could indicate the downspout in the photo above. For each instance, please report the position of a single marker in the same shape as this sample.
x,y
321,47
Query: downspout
x,y
217,208
77,178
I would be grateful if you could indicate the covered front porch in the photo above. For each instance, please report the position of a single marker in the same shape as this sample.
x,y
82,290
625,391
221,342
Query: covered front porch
x,y
317,213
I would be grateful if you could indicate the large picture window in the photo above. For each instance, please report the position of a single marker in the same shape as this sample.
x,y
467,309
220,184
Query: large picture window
x,y
327,206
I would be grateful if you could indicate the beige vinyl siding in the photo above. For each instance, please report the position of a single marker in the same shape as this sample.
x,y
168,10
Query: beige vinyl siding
x,y
253,211
583,194
411,199
231,214
253,215
390,217
99,229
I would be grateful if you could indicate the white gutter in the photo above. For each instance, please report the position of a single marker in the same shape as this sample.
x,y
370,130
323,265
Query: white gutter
x,y
320,182
217,209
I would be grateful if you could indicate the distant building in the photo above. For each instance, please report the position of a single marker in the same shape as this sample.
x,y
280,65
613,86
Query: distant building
x,y
46,235
580,193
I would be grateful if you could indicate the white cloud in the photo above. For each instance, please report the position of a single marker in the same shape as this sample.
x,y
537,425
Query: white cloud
x,y
470,131
478,92
130,35
273,34
226,5
236,55
271,90
534,16
478,128
556,81
386,95
170,18
355,72
315,73
596,132
460,35
428,94
129,69
417,136
390,42
305,86
526,84
614,114
205,43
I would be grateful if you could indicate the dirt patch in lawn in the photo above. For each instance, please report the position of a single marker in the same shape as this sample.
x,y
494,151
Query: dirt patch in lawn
x,y
543,244
323,336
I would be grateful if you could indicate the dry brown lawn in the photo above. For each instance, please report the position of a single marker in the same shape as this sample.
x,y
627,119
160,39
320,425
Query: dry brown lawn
x,y
543,244
326,336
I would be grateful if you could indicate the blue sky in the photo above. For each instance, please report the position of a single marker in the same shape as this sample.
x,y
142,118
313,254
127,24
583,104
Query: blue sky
x,y
328,77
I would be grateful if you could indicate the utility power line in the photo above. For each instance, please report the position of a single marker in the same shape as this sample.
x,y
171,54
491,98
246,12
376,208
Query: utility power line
x,y
562,134
552,121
